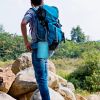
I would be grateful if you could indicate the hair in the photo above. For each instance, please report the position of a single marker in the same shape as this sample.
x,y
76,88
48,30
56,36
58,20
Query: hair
x,y
36,2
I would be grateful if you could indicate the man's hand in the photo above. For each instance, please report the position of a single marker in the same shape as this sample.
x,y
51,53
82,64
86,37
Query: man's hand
x,y
28,46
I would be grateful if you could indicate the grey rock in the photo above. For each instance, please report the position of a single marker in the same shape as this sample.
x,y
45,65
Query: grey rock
x,y
4,96
53,95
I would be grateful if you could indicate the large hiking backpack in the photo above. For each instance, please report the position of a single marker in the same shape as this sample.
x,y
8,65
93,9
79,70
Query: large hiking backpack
x,y
48,26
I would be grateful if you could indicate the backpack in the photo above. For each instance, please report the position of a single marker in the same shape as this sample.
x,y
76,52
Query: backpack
x,y
48,26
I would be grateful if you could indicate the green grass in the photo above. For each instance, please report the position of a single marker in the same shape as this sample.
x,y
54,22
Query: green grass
x,y
84,93
62,73
66,65
6,63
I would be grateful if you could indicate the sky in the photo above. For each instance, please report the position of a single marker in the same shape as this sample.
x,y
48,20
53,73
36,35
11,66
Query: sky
x,y
85,13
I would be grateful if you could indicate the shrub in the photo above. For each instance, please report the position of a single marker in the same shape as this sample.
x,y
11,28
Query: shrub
x,y
71,49
87,76
10,46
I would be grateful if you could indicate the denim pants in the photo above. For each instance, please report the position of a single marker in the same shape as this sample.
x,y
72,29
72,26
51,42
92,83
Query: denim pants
x,y
41,74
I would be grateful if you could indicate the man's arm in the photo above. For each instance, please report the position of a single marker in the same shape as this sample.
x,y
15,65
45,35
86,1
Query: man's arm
x,y
24,33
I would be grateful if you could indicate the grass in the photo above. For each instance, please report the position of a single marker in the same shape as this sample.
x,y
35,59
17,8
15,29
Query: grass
x,y
66,65
62,73
6,63
84,93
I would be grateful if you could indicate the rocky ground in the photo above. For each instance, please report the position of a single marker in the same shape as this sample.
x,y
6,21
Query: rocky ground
x,y
17,82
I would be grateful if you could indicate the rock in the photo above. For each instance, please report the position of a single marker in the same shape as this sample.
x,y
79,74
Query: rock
x,y
4,96
25,96
1,76
79,97
22,62
93,97
6,79
25,82
66,93
1,69
51,66
53,81
62,81
25,61
1,81
53,95
70,86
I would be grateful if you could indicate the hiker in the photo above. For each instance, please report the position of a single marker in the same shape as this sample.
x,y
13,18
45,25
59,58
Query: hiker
x,y
46,35
40,65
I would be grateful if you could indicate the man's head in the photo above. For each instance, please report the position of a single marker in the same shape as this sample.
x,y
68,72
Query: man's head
x,y
36,2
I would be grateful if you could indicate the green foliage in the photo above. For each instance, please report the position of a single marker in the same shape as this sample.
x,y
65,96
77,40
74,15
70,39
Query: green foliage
x,y
62,73
87,76
67,64
71,49
77,35
11,46
6,63
87,73
84,93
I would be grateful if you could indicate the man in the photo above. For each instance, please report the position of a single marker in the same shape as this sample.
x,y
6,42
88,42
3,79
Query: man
x,y
40,65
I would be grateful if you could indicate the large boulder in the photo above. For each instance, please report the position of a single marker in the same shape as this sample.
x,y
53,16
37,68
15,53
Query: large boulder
x,y
22,62
25,61
4,96
6,79
53,95
25,82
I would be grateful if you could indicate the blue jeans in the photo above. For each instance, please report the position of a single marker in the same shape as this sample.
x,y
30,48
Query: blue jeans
x,y
41,74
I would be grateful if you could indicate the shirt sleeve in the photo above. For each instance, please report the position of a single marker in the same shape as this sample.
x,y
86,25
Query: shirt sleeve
x,y
28,16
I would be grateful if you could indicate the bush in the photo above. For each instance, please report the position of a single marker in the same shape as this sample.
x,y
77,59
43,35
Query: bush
x,y
75,50
67,50
87,76
11,46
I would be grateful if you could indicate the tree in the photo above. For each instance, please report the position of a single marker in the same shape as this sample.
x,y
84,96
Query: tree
x,y
1,29
77,35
